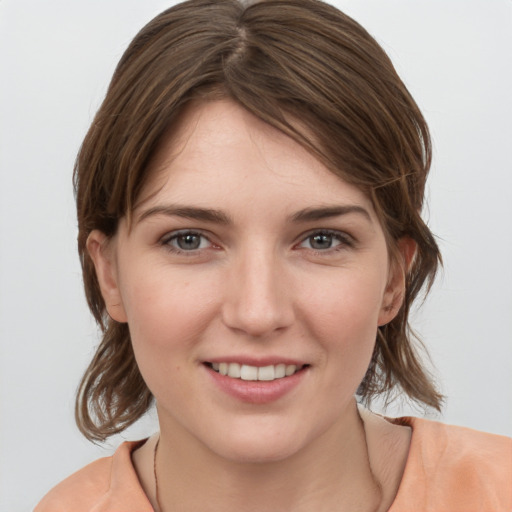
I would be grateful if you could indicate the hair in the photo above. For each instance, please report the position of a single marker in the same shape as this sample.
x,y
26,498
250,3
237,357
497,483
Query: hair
x,y
310,71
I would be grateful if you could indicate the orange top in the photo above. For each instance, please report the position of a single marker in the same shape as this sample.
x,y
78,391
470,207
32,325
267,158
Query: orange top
x,y
448,469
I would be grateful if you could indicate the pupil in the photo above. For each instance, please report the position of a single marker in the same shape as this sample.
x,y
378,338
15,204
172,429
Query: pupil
x,y
321,242
189,242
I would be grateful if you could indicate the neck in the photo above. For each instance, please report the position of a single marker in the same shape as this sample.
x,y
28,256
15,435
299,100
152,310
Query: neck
x,y
332,473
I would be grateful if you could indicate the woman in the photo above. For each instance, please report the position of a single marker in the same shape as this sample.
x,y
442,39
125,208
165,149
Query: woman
x,y
249,200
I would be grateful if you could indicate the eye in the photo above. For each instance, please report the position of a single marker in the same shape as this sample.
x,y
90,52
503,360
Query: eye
x,y
325,240
186,241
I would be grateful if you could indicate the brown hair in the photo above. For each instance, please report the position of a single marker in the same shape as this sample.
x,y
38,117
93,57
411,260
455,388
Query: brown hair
x,y
303,67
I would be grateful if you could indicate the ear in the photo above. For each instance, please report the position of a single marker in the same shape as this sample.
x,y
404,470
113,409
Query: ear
x,y
102,253
395,289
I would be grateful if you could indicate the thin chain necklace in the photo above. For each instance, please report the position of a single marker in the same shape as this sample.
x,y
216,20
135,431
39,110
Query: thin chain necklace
x,y
376,482
159,507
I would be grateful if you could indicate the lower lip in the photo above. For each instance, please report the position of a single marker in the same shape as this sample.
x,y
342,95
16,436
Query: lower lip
x,y
257,391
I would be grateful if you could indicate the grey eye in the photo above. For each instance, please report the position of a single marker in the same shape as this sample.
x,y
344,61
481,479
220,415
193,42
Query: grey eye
x,y
321,241
188,242
326,240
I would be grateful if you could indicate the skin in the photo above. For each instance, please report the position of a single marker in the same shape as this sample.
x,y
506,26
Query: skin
x,y
259,284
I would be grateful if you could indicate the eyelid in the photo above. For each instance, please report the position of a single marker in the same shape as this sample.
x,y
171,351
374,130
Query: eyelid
x,y
169,235
166,240
345,239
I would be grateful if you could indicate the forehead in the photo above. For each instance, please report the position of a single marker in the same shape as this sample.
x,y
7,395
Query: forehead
x,y
218,152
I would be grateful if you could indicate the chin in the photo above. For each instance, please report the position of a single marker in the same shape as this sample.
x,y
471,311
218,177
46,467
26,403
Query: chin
x,y
252,451
261,442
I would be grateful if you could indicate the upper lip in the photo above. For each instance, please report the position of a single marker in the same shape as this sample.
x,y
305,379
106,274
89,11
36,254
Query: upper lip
x,y
256,361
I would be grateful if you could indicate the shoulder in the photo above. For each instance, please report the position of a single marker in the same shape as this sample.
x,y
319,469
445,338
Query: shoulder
x,y
439,445
81,490
456,468
105,484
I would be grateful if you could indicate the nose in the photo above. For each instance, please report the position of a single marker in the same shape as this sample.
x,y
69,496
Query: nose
x,y
258,298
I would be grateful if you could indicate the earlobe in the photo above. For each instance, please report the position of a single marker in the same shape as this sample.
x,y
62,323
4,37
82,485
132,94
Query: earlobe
x,y
395,289
102,255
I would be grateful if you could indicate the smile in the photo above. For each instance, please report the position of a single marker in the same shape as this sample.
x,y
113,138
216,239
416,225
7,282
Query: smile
x,y
256,373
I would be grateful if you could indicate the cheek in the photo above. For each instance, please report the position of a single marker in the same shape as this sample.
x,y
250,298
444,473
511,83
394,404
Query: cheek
x,y
344,314
166,311
168,316
346,326
353,295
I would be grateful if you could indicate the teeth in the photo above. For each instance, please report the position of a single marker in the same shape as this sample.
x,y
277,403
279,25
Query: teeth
x,y
247,372
280,371
290,369
234,370
266,373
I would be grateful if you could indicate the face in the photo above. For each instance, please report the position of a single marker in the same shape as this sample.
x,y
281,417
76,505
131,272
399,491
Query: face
x,y
246,256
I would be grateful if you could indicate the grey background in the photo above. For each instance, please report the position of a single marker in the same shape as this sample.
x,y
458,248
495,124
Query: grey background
x,y
56,58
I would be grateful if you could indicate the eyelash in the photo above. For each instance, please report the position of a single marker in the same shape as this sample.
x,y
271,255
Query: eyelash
x,y
175,235
345,241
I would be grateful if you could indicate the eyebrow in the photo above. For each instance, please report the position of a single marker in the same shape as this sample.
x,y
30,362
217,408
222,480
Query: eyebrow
x,y
219,217
326,212
187,212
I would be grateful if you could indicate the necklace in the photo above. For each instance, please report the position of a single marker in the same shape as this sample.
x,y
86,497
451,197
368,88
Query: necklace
x,y
376,482
159,507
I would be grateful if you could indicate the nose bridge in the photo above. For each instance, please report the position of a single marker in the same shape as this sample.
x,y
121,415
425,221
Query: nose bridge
x,y
258,301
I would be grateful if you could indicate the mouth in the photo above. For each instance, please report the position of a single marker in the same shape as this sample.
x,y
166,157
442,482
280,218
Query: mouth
x,y
256,373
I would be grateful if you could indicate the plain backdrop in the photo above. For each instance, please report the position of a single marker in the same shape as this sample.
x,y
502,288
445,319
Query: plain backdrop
x,y
56,58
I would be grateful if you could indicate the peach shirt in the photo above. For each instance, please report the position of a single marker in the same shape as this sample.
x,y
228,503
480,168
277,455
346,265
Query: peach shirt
x,y
448,469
